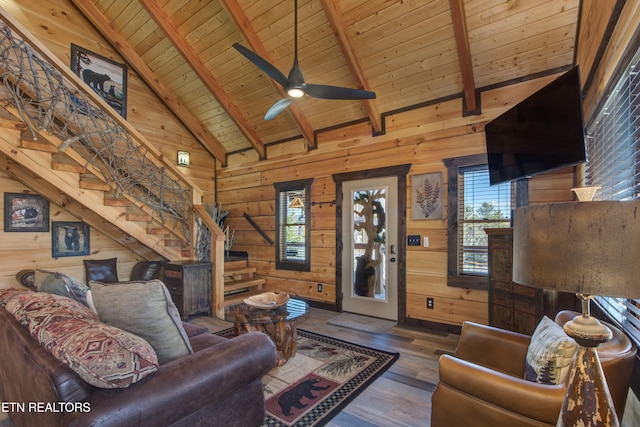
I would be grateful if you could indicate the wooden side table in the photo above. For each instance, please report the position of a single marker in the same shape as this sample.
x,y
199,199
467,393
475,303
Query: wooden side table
x,y
278,323
189,283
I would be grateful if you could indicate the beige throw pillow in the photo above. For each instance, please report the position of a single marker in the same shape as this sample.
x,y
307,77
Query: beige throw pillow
x,y
550,353
144,309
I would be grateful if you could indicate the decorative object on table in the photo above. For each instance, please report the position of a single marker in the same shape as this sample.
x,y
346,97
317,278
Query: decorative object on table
x,y
69,239
320,381
426,202
25,212
589,248
268,300
107,78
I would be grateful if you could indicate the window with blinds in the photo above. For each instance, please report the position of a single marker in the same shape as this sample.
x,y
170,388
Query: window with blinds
x,y
613,163
293,225
480,206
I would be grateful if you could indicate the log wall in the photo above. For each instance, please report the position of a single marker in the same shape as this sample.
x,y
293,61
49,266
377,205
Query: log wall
x,y
422,137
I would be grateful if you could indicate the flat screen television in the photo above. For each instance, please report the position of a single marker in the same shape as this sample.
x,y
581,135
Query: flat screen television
x,y
541,133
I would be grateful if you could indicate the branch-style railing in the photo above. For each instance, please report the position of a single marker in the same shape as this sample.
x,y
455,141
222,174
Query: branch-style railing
x,y
50,98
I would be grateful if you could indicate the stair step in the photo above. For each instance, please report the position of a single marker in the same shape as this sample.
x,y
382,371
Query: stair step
x,y
112,200
243,283
63,163
175,243
228,272
40,144
156,228
134,213
230,265
90,182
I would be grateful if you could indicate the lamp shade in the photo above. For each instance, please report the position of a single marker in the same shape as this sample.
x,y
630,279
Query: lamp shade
x,y
592,248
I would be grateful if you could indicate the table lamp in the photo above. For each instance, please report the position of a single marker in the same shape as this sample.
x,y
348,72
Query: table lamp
x,y
589,248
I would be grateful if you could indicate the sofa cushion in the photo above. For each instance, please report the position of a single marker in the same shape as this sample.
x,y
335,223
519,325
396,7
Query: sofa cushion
x,y
101,270
102,355
61,284
146,270
27,278
7,293
550,353
145,309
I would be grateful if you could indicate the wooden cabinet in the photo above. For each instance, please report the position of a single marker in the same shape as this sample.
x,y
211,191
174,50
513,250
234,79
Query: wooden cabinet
x,y
512,306
189,284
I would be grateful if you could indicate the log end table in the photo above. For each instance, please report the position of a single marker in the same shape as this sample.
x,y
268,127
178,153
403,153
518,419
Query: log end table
x,y
278,323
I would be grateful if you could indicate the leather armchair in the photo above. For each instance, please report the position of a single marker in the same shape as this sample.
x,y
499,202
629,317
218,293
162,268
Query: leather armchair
x,y
483,383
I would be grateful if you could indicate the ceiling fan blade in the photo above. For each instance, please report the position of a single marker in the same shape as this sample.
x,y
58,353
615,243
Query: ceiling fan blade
x,y
336,92
263,64
277,108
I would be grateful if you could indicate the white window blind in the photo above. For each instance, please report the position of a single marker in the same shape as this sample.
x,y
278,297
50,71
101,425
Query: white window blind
x,y
613,163
292,225
480,206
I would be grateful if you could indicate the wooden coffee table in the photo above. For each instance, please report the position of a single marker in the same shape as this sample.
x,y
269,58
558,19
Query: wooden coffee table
x,y
279,323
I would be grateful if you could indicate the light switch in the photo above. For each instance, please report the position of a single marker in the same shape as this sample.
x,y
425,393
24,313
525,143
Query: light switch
x,y
425,242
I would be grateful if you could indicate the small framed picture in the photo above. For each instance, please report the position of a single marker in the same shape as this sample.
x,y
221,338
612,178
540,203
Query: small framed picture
x,y
69,239
107,78
426,197
25,212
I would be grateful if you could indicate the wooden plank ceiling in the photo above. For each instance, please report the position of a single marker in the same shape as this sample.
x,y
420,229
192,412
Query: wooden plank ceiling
x,y
409,52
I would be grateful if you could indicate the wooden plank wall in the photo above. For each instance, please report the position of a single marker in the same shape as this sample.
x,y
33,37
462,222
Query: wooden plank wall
x,y
31,250
421,137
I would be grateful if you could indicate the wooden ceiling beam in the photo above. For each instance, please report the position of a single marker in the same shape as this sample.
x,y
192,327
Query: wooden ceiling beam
x,y
336,20
238,16
210,143
464,54
172,32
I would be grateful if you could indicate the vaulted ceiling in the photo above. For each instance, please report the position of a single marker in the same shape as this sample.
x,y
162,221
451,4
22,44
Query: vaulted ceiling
x,y
409,52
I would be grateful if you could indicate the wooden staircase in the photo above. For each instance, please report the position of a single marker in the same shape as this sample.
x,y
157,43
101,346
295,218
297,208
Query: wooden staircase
x,y
239,280
65,179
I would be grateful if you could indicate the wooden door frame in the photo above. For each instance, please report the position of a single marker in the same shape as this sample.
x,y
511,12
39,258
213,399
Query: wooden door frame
x,y
399,171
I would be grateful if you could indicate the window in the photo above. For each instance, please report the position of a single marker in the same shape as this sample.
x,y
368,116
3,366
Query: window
x,y
293,225
613,163
473,206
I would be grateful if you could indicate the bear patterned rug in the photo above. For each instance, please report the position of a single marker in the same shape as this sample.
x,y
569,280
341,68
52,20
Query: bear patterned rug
x,y
320,380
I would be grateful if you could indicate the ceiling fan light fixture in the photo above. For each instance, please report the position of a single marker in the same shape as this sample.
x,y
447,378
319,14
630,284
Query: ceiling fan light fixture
x,y
295,92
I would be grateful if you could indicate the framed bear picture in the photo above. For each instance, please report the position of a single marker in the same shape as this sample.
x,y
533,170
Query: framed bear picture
x,y
107,78
25,212
69,239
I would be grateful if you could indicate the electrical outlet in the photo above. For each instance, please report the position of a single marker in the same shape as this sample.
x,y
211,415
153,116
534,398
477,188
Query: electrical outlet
x,y
319,287
430,303
413,240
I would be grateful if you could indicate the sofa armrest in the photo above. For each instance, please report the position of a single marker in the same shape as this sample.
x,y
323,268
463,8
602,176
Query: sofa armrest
x,y
529,399
182,386
494,348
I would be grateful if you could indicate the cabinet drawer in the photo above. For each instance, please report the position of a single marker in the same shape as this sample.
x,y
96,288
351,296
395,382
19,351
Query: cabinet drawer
x,y
174,288
173,274
524,291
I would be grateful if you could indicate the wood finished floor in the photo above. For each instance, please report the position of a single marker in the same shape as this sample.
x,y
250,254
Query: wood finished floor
x,y
402,395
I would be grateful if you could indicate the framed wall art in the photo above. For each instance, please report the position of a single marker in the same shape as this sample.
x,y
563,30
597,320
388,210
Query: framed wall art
x,y
426,197
25,212
69,239
107,78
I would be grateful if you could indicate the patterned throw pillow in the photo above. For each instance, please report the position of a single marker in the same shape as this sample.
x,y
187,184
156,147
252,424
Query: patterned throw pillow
x,y
550,353
102,355
146,310
7,293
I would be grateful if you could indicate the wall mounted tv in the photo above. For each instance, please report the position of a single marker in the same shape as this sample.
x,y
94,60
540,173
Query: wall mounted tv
x,y
542,133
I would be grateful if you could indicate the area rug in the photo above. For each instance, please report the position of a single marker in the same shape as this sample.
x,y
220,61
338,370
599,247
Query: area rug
x,y
320,380
362,323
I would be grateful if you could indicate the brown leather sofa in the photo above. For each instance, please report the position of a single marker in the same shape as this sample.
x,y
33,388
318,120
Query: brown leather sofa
x,y
220,384
483,383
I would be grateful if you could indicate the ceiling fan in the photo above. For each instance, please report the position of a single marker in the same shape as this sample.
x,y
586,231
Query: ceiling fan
x,y
294,84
